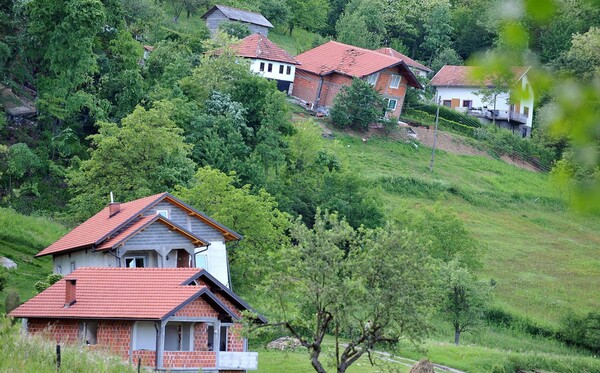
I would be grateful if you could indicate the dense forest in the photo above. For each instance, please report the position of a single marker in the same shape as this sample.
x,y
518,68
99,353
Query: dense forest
x,y
203,127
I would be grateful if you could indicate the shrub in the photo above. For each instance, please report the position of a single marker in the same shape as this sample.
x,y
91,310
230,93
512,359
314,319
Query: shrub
x,y
583,331
11,301
357,106
451,115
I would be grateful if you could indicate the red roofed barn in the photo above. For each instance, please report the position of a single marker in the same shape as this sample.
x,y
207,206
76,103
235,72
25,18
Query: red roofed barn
x,y
157,231
170,318
324,70
268,60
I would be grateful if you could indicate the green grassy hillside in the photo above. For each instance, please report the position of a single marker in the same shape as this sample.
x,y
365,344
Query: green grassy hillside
x,y
543,256
21,237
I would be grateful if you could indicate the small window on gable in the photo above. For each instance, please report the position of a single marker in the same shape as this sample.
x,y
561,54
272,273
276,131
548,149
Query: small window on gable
x,y
73,266
395,81
281,69
262,66
372,79
288,70
163,213
88,332
270,67
135,261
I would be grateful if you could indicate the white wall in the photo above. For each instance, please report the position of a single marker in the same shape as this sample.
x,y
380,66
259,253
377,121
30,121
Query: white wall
x,y
526,100
469,93
62,263
274,74
217,261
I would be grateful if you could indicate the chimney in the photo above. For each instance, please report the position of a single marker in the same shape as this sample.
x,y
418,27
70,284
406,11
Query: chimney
x,y
70,293
113,208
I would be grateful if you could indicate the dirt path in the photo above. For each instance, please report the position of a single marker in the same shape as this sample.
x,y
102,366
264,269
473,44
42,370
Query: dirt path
x,y
447,142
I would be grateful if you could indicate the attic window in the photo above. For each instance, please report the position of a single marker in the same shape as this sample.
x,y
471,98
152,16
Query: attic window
x,y
395,81
135,262
372,79
163,213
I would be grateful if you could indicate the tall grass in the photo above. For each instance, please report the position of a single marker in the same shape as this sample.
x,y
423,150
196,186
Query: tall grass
x,y
20,353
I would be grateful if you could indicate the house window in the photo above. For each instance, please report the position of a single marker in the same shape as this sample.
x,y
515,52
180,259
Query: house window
x,y
391,104
281,69
178,337
144,336
163,213
210,330
395,82
288,70
262,66
202,261
135,261
270,67
73,266
467,103
526,111
88,332
447,103
372,79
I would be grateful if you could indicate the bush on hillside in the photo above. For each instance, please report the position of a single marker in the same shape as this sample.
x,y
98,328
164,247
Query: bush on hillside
x,y
357,106
583,331
11,301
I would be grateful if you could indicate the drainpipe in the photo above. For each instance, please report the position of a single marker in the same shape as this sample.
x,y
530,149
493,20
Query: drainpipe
x,y
117,257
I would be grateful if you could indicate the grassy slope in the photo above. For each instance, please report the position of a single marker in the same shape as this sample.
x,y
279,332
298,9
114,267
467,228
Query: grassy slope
x,y
21,237
543,256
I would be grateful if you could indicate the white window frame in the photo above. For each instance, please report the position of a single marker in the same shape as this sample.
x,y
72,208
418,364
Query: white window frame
x,y
134,258
201,254
387,104
395,79
163,213
372,79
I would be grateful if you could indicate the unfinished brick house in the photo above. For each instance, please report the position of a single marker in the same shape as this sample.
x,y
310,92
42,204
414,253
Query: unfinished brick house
x,y
156,231
324,70
171,318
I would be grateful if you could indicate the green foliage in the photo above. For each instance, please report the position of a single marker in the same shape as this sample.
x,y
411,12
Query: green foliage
x,y
276,11
255,216
3,278
446,56
463,299
451,115
437,30
356,106
41,286
11,301
337,279
236,29
582,330
582,59
146,155
423,118
361,25
308,14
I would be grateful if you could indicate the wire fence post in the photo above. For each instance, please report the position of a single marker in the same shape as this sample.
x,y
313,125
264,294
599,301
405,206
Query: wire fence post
x,y
437,115
58,357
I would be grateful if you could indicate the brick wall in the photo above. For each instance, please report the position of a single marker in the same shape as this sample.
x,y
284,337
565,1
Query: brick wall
x,y
190,359
63,331
197,308
148,357
116,335
305,86
383,87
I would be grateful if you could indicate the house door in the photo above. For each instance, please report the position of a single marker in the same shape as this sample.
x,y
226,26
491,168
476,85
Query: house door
x,y
183,259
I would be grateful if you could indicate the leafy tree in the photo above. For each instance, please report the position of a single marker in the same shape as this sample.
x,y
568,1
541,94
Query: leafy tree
x,y
276,11
469,18
146,155
308,14
357,106
236,29
361,24
583,58
582,330
141,15
446,56
463,299
255,216
11,301
437,30
335,279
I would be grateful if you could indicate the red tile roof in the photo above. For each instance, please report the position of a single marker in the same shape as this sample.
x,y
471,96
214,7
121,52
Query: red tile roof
x,y
100,227
465,76
258,46
346,59
407,60
115,293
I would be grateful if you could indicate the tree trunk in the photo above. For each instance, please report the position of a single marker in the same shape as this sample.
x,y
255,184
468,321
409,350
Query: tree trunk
x,y
456,336
314,360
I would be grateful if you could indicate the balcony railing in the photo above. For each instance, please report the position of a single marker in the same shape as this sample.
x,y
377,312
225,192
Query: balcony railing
x,y
237,360
517,117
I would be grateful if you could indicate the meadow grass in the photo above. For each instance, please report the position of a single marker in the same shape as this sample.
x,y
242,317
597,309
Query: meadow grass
x,y
543,256
21,237
23,354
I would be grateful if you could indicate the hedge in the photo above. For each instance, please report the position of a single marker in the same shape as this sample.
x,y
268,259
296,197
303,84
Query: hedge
x,y
451,115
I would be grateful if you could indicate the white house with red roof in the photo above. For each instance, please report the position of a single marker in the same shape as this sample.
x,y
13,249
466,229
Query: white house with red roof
x,y
324,70
417,68
268,60
458,88
173,319
158,231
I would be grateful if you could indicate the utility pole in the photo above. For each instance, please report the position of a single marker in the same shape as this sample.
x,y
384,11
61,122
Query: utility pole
x,y
437,116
